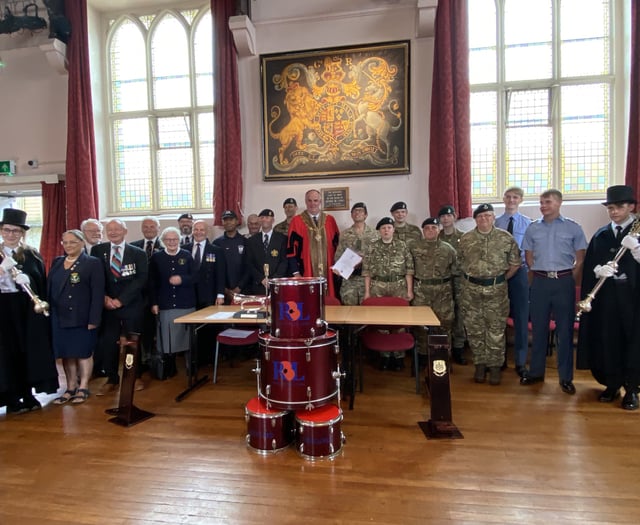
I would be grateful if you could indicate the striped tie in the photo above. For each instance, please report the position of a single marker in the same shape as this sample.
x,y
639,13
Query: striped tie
x,y
116,262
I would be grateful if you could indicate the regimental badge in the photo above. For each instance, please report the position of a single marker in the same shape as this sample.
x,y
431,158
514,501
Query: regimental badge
x,y
182,261
274,253
128,362
74,278
439,367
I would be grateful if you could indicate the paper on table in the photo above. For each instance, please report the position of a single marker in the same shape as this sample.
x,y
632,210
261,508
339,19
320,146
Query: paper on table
x,y
235,333
220,315
347,263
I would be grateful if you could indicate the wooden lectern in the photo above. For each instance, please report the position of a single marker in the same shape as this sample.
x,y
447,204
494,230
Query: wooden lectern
x,y
127,414
438,384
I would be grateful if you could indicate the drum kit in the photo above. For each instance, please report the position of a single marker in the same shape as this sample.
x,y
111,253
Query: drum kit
x,y
298,374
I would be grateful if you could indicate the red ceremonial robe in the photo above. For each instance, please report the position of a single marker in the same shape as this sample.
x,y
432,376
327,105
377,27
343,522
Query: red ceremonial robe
x,y
299,246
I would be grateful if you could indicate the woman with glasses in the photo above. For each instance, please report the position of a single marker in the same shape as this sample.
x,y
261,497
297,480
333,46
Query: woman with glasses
x,y
26,360
76,295
171,295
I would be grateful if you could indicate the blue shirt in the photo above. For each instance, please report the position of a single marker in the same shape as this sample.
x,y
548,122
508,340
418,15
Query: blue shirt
x,y
554,244
520,225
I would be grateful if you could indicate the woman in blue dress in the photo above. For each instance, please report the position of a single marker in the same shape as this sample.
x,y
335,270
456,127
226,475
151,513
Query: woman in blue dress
x,y
76,295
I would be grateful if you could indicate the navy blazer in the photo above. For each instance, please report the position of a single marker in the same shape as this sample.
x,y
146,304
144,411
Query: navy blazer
x,y
256,257
128,288
210,277
76,298
141,243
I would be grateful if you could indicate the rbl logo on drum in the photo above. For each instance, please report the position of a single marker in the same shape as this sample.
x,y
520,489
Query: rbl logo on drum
x,y
292,311
286,370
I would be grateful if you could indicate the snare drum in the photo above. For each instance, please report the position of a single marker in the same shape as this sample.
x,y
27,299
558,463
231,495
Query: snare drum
x,y
319,434
268,431
294,374
297,307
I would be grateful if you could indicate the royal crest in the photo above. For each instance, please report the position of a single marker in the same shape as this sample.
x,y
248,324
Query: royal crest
x,y
439,367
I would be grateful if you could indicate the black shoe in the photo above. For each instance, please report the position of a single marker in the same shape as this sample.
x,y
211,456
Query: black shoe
x,y
31,403
630,401
457,354
521,370
531,380
609,395
398,363
17,407
384,363
480,375
495,375
567,387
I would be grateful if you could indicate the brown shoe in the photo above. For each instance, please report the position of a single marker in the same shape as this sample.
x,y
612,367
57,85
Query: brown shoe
x,y
106,389
139,384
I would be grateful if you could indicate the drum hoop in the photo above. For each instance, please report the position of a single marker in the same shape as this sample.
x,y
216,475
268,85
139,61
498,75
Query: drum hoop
x,y
296,281
308,423
299,342
300,403
265,415
266,452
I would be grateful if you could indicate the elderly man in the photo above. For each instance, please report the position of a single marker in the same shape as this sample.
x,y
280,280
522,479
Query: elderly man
x,y
313,238
357,238
290,207
487,257
150,242
126,273
554,249
185,224
253,225
92,231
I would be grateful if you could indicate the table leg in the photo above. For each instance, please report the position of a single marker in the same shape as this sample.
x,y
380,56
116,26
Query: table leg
x,y
193,382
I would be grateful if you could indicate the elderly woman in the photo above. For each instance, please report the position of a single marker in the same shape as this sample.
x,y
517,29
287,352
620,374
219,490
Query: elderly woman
x,y
171,294
76,294
26,360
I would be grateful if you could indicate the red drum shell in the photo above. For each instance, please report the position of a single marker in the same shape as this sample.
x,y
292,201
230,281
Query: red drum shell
x,y
297,307
296,376
268,431
319,434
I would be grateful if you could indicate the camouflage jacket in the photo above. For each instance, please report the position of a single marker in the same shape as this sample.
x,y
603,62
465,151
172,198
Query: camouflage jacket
x,y
387,260
282,227
349,238
452,239
487,255
408,232
433,259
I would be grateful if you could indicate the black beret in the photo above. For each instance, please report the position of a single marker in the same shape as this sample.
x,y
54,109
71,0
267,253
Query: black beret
x,y
446,210
430,220
359,205
266,213
383,221
289,200
185,216
398,206
481,209
229,214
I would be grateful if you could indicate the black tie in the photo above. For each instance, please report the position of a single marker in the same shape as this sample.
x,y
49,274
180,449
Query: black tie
x,y
510,226
315,220
265,242
149,249
619,233
198,256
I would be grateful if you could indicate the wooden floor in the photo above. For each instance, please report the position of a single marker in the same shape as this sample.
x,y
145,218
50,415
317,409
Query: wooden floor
x,y
529,455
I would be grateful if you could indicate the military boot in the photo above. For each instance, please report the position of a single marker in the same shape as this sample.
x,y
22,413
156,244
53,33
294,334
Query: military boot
x,y
458,356
495,375
479,376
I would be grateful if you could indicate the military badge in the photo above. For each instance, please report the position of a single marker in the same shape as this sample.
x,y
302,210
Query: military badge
x,y
129,361
182,261
210,258
274,253
74,278
439,367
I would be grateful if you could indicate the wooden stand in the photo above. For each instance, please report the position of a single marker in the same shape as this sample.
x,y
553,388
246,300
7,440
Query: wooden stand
x,y
438,384
127,414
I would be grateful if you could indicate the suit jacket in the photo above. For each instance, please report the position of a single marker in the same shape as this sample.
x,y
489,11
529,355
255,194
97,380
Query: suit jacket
x,y
210,277
141,243
77,299
256,257
128,288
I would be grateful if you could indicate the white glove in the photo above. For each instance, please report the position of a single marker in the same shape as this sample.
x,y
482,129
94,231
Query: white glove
x,y
7,263
608,270
630,242
22,278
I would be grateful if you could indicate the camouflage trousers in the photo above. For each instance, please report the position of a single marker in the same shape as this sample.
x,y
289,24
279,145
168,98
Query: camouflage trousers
x,y
352,290
485,310
394,289
440,298
458,335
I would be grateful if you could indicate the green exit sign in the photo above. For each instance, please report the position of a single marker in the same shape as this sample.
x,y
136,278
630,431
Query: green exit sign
x,y
7,167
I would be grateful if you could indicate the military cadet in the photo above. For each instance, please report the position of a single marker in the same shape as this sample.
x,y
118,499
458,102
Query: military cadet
x,y
488,257
357,237
452,235
388,272
434,261
403,230
290,207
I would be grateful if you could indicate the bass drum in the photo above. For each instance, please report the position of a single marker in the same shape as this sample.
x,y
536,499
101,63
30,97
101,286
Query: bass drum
x,y
319,433
268,431
297,307
294,375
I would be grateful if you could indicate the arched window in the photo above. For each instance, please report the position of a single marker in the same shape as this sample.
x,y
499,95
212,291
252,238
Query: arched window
x,y
160,71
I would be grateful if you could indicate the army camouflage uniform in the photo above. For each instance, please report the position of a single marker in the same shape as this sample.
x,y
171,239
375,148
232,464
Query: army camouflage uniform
x,y
435,263
407,233
483,258
388,264
458,336
282,227
352,289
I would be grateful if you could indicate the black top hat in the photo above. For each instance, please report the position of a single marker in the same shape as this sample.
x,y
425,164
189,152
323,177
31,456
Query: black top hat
x,y
619,195
14,217
481,209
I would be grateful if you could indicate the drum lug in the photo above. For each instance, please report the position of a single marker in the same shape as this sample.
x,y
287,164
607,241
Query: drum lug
x,y
257,369
277,332
273,423
247,438
336,374
268,390
331,451
274,444
308,356
312,331
312,290
246,418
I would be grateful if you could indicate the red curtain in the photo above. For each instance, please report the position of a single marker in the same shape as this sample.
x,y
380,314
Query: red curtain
x,y
81,178
632,177
228,145
53,210
450,147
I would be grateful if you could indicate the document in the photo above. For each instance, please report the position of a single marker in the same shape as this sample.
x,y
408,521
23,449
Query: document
x,y
347,263
236,334
220,315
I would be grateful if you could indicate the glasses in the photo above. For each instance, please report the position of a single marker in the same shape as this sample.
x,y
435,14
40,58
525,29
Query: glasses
x,y
64,243
12,231
169,239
